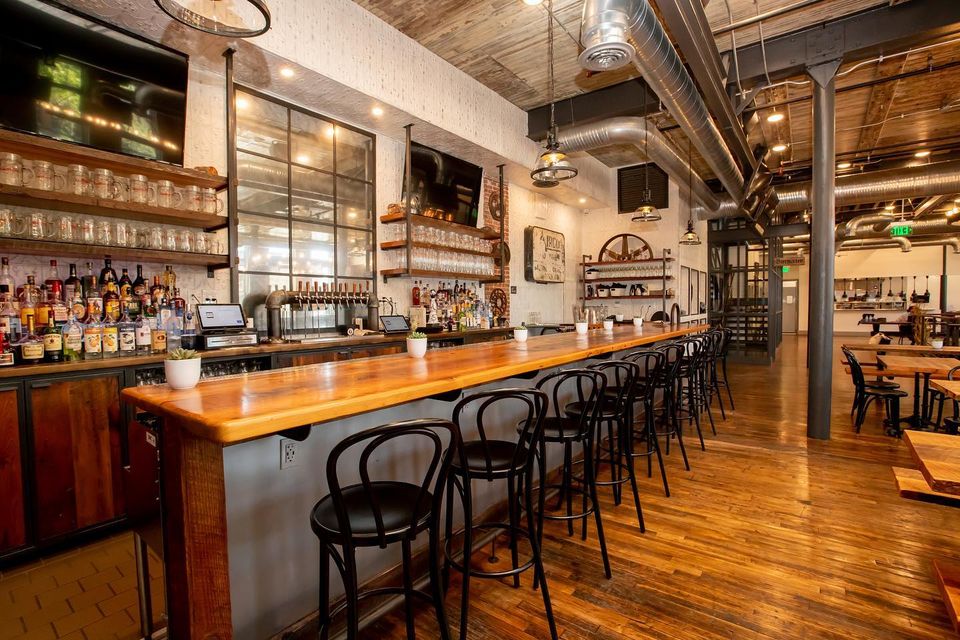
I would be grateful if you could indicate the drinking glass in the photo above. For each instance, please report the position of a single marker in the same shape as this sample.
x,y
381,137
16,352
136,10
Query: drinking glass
x,y
124,234
105,186
104,233
200,242
192,198
170,239
45,177
6,222
155,238
39,226
66,229
12,171
140,190
167,195
78,180
87,231
184,240
211,203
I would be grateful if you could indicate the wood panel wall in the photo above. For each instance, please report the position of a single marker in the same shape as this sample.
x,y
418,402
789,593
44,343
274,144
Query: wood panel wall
x,y
12,518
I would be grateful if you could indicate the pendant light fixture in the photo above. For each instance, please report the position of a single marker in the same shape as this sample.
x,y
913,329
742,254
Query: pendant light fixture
x,y
647,210
230,18
690,236
552,166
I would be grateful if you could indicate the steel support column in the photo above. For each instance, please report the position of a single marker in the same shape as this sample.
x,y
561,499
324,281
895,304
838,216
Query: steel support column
x,y
822,221
943,282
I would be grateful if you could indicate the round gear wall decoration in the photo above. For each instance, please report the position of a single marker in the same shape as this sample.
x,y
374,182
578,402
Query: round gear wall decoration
x,y
625,246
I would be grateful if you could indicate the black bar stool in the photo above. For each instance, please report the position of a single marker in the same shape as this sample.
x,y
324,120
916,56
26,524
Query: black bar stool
x,y
711,360
376,513
667,384
615,412
722,359
651,364
689,387
489,459
586,388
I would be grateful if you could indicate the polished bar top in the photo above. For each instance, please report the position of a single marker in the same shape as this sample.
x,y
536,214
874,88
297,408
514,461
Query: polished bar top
x,y
247,406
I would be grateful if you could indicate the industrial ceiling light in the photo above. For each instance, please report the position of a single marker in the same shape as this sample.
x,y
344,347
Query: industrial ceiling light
x,y
844,165
775,117
552,166
922,154
647,209
690,237
779,147
230,18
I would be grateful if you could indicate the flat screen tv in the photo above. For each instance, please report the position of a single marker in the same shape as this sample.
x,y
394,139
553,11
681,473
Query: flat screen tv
x,y
67,76
446,184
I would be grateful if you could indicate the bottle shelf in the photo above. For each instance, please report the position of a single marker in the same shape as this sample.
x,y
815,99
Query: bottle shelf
x,y
421,273
627,279
485,233
402,244
623,262
657,296
72,249
70,203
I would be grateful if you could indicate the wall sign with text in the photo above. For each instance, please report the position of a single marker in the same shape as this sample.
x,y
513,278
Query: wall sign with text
x,y
544,255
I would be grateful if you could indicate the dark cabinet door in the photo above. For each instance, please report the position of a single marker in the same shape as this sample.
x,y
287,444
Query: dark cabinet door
x,y
13,531
76,426
317,357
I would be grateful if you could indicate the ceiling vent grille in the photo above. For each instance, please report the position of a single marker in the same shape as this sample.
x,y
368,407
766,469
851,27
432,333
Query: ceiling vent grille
x,y
630,185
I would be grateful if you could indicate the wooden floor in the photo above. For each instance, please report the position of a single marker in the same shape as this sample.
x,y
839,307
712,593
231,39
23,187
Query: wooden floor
x,y
769,536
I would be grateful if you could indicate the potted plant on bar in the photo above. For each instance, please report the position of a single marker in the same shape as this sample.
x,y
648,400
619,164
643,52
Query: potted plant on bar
x,y
417,344
520,333
182,368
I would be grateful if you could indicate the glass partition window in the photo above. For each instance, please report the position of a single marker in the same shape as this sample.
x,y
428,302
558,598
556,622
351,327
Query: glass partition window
x,y
305,199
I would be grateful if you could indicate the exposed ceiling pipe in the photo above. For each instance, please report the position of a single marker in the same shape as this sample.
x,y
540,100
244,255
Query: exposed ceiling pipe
x,y
929,205
936,226
953,243
631,130
849,230
607,27
848,245
941,178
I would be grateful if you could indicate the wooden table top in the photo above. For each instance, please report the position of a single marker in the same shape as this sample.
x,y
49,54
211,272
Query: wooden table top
x,y
905,349
918,364
950,388
938,457
255,405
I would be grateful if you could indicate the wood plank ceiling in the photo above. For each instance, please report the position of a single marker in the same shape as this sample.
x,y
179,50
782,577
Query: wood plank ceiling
x,y
502,43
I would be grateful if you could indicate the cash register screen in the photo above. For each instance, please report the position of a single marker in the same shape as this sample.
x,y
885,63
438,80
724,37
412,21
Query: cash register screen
x,y
214,317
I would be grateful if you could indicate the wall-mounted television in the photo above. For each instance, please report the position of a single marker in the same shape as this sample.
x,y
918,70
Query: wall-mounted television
x,y
67,76
446,184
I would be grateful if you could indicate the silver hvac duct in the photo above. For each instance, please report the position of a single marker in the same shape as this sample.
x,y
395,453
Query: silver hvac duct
x,y
632,131
953,243
876,221
607,27
850,245
939,225
942,178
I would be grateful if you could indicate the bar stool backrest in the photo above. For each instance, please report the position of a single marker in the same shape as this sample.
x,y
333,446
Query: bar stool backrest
x,y
429,431
856,371
727,339
529,404
651,364
953,372
622,376
584,386
673,356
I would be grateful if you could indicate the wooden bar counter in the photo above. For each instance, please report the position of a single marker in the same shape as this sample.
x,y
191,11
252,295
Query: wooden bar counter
x,y
197,424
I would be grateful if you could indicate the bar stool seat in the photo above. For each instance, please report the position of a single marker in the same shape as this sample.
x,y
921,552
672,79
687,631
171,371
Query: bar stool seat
x,y
500,454
397,501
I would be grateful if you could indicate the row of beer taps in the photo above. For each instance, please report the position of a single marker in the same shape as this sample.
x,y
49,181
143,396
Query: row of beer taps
x,y
320,295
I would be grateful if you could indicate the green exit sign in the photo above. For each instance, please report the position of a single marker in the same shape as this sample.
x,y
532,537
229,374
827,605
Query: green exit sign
x,y
786,269
900,230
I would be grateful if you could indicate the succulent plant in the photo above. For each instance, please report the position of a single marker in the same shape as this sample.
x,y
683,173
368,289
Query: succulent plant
x,y
417,335
182,354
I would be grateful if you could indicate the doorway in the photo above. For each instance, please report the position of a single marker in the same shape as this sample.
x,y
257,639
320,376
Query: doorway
x,y
791,305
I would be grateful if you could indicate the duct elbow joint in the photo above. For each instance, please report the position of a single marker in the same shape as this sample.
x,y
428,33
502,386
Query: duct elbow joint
x,y
605,28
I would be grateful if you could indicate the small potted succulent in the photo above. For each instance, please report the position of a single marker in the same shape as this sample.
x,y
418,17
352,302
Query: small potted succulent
x,y
520,333
417,344
182,368
608,324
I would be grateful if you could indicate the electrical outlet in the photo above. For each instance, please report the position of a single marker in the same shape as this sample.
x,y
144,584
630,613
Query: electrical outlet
x,y
289,453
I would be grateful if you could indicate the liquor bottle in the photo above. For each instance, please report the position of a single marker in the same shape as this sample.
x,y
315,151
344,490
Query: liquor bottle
x,y
178,303
92,338
174,330
7,279
111,302
29,298
77,305
111,337
189,338
9,317
139,284
94,305
169,280
415,298
157,291
53,282
30,346
44,307
88,283
52,342
71,285
127,334
158,337
107,275
143,336
125,285
72,333
7,357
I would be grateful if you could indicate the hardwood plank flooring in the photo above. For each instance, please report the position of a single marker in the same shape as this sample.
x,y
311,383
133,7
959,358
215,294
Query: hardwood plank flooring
x,y
770,535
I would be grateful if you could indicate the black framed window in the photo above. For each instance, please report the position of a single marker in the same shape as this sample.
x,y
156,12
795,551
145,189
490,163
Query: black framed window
x,y
305,200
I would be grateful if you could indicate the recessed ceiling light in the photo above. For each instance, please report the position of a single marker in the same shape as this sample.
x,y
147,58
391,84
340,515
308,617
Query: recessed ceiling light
x,y
532,3
922,154
776,116
242,103
303,158
287,72
583,201
889,207
377,111
778,148
844,165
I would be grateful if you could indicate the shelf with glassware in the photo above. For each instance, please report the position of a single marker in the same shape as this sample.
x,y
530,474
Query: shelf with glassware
x,y
81,250
625,279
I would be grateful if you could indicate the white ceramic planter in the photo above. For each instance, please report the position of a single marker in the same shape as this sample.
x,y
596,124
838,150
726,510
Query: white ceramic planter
x,y
581,327
608,325
619,317
937,343
416,347
520,335
638,322
182,374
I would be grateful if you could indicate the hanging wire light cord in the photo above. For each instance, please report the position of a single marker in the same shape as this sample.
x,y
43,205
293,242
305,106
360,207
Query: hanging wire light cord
x,y
550,80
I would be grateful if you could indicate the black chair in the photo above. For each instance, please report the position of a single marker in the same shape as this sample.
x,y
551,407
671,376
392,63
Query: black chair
x,y
586,386
711,363
691,394
866,395
950,423
668,425
727,337
376,513
614,412
492,460
651,363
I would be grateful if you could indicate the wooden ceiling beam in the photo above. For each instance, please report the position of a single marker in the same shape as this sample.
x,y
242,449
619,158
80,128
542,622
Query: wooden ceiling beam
x,y
880,102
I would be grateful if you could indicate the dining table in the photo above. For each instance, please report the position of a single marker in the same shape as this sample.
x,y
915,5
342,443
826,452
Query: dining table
x,y
903,349
921,367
